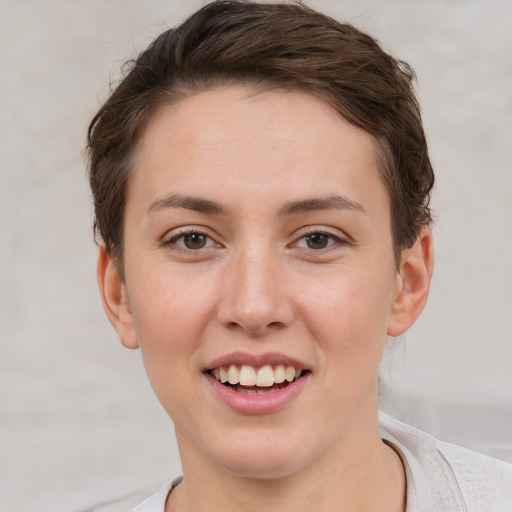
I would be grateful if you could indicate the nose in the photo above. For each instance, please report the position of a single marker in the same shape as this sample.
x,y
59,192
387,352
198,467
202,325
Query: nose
x,y
255,297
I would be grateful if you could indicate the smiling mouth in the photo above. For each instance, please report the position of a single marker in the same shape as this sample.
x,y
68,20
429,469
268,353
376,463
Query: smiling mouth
x,y
252,380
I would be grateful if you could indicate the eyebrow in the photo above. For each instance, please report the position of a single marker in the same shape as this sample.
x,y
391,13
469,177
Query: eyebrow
x,y
202,205
197,204
333,202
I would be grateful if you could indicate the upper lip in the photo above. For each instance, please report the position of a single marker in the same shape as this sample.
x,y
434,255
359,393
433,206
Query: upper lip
x,y
255,360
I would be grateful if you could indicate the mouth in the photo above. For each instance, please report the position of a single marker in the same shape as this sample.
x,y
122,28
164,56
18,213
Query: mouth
x,y
257,380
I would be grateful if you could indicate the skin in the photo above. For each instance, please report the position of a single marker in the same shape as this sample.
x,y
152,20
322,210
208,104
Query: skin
x,y
258,285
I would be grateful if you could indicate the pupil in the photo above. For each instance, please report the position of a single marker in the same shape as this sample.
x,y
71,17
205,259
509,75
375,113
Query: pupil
x,y
195,241
317,241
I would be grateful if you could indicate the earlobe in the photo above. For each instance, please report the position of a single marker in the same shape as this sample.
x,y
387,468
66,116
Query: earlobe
x,y
115,299
413,283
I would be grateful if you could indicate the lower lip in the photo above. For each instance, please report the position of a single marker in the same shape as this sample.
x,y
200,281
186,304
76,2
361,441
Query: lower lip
x,y
262,403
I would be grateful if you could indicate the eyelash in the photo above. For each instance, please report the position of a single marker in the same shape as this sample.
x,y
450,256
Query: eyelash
x,y
332,240
189,233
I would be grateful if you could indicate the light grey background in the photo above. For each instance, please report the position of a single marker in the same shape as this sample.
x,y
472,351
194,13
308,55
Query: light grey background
x,y
78,422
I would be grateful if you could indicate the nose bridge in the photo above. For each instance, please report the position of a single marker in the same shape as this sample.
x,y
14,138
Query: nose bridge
x,y
256,269
255,297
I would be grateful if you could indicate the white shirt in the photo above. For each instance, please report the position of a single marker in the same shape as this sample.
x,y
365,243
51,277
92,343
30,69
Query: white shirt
x,y
441,477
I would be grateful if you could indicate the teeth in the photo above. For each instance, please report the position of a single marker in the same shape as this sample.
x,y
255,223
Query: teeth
x,y
279,374
233,374
247,376
290,373
265,376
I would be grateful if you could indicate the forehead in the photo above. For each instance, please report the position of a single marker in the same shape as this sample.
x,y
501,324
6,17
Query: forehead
x,y
239,138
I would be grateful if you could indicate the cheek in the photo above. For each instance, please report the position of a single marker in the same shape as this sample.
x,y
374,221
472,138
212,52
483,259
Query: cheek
x,y
348,321
170,312
348,313
170,318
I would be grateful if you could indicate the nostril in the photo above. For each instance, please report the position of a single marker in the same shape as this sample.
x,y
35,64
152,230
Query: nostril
x,y
272,326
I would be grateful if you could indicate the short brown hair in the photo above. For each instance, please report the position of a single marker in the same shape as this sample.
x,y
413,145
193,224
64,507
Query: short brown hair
x,y
277,46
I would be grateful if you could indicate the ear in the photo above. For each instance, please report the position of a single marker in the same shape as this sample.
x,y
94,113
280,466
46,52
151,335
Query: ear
x,y
413,283
115,299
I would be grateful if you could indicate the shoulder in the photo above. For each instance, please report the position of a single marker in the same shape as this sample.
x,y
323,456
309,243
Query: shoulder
x,y
447,476
156,503
124,504
485,482
139,502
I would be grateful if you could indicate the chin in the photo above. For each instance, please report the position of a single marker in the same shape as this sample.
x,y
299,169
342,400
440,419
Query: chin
x,y
262,469
277,457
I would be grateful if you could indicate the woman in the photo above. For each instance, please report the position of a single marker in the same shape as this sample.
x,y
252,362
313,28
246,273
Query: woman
x,y
261,183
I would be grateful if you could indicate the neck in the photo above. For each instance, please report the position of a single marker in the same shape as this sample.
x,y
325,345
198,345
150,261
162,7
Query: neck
x,y
359,473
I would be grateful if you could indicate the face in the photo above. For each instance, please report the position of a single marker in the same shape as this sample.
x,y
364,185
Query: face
x,y
258,250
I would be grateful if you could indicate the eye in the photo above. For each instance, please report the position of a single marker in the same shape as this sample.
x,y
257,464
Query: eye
x,y
318,240
191,240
